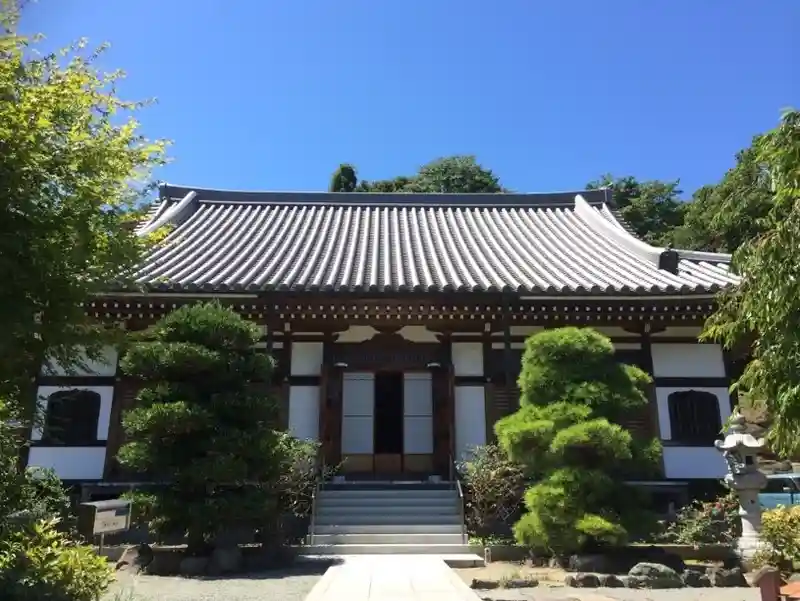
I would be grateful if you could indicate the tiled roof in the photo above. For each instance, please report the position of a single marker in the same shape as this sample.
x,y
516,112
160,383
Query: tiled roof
x,y
545,244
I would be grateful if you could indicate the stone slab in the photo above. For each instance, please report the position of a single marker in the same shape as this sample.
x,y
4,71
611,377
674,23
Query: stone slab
x,y
391,578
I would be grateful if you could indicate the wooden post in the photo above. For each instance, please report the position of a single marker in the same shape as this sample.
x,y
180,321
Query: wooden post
x,y
768,580
507,372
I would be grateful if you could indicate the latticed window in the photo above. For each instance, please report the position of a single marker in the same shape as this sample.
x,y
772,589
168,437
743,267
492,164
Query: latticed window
x,y
694,417
72,417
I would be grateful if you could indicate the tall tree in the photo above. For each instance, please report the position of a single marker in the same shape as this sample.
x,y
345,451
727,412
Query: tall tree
x,y
344,179
722,217
456,174
766,306
653,208
72,171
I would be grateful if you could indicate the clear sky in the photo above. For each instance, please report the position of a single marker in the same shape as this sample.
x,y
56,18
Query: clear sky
x,y
274,94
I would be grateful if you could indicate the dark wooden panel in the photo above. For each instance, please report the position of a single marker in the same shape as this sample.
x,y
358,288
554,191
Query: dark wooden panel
x,y
331,415
125,393
386,352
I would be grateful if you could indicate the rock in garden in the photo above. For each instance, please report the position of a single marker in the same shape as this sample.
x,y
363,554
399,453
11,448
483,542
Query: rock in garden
x,y
166,562
225,560
193,566
695,579
726,578
521,583
135,558
485,585
655,575
582,580
594,562
610,581
630,582
621,560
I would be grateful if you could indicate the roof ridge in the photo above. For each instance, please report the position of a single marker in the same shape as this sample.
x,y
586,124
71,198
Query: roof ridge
x,y
539,200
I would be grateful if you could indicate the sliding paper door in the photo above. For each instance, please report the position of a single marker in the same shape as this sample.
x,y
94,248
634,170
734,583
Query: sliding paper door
x,y
358,419
418,422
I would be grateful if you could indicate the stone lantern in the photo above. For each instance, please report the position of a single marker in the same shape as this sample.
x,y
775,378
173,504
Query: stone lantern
x,y
740,450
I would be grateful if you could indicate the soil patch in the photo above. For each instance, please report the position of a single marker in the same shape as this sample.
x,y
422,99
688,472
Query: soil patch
x,y
502,571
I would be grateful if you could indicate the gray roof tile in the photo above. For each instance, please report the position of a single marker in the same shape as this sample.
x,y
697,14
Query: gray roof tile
x,y
565,243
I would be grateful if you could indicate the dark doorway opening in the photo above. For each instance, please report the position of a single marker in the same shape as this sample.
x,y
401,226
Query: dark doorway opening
x,y
388,429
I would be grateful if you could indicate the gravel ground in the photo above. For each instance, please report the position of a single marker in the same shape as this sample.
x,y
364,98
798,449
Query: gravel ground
x,y
281,585
543,593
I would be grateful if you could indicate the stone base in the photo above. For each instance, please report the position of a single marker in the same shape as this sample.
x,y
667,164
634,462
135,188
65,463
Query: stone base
x,y
748,547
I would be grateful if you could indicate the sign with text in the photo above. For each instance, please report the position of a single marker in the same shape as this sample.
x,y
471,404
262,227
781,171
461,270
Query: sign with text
x,y
104,517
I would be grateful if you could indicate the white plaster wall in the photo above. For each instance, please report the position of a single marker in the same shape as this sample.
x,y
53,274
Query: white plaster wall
x,y
417,413
662,401
70,463
106,399
514,345
470,419
106,366
676,331
524,330
616,332
358,413
688,361
693,462
304,412
306,358
467,358
620,346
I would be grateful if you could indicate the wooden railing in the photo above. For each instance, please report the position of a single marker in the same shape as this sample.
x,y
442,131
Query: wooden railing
x,y
455,478
319,470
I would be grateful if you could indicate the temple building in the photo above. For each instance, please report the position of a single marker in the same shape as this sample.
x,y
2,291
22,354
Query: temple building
x,y
398,321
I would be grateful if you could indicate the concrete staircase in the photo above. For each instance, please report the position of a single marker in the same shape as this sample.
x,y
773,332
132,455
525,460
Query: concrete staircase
x,y
388,518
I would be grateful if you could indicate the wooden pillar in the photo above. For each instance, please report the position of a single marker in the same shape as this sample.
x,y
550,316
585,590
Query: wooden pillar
x,y
443,410
270,328
490,410
330,405
508,373
652,402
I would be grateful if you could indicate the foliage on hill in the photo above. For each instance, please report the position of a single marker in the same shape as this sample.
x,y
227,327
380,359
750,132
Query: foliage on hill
x,y
566,434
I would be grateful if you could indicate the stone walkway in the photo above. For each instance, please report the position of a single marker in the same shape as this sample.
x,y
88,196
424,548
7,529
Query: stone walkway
x,y
391,578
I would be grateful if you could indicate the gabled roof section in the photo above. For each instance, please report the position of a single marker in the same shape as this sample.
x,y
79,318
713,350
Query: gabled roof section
x,y
565,243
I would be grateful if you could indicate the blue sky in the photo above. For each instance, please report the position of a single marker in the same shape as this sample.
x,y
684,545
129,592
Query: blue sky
x,y
274,94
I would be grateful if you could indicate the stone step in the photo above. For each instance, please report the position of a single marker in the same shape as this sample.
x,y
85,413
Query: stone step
x,y
388,539
370,499
463,560
387,494
393,549
389,486
388,503
387,519
343,510
434,528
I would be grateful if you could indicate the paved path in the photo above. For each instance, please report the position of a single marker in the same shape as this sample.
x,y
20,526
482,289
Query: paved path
x,y
391,578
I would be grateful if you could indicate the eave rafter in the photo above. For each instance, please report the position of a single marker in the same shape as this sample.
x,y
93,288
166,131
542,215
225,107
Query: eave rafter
x,y
327,315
